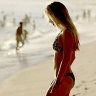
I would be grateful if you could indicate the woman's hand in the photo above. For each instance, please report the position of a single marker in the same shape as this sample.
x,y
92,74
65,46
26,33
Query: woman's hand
x,y
55,81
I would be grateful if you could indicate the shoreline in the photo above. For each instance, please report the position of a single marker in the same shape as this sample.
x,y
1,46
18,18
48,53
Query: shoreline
x,y
35,80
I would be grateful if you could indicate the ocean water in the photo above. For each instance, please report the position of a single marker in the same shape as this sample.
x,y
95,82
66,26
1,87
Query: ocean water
x,y
39,42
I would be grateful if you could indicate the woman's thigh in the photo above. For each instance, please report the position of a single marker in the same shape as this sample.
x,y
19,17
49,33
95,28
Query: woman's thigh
x,y
62,89
66,85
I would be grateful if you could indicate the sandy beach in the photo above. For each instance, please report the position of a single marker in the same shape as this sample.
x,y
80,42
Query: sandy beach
x,y
29,71
35,81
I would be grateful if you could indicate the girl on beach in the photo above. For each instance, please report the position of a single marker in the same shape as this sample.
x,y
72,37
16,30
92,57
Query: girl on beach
x,y
65,45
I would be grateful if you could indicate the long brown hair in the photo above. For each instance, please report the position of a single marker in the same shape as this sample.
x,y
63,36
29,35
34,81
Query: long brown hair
x,y
61,14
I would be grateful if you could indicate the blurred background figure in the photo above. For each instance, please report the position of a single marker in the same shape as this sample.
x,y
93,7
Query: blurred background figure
x,y
25,34
33,25
26,20
19,34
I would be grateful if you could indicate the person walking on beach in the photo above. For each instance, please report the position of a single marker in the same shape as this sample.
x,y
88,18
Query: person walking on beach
x,y
25,34
19,34
65,45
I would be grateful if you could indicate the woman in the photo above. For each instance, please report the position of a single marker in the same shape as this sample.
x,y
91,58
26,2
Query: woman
x,y
65,45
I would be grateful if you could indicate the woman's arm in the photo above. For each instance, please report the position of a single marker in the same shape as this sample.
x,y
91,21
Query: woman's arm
x,y
68,45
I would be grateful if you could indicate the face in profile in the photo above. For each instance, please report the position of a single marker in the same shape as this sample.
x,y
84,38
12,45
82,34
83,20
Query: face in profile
x,y
50,21
53,20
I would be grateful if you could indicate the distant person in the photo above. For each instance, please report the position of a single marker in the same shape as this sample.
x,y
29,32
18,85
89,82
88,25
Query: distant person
x,y
26,20
84,14
25,34
77,17
89,14
65,45
19,36
14,21
34,25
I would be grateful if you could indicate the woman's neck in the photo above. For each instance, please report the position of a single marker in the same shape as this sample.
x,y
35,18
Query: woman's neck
x,y
61,27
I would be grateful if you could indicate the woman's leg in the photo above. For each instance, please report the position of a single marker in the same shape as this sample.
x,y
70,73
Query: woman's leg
x,y
17,41
62,89
67,94
22,41
66,85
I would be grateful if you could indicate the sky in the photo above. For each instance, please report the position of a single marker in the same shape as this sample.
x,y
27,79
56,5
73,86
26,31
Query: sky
x,y
22,2
18,3
15,1
12,1
42,1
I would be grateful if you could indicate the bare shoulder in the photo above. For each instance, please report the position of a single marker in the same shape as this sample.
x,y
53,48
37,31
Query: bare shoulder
x,y
60,35
67,35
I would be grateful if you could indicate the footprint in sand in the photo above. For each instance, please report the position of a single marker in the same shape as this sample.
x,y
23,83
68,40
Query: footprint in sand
x,y
76,94
85,88
78,86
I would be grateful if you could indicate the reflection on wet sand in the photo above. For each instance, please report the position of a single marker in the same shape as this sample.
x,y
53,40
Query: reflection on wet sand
x,y
22,59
